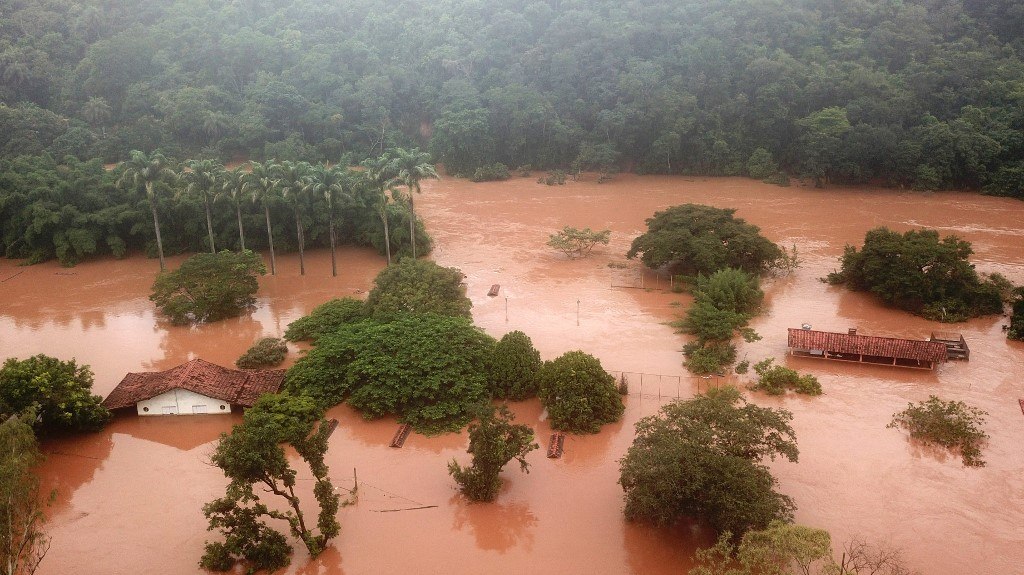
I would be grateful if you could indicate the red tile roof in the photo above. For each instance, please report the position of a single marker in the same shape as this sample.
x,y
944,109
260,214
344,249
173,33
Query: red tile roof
x,y
867,345
240,387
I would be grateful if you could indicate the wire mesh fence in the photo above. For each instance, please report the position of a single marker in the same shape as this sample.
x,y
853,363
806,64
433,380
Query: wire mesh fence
x,y
638,277
657,386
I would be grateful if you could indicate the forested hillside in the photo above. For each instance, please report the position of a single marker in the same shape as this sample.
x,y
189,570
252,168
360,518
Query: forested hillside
x,y
923,93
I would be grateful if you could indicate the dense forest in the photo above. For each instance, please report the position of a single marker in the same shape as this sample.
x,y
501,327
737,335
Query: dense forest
x,y
920,93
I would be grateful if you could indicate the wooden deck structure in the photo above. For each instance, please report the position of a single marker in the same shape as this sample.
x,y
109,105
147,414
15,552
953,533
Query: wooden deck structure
x,y
956,345
912,353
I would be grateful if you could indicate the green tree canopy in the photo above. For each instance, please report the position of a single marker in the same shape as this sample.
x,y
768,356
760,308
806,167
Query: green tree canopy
x,y
921,273
514,367
697,239
209,287
60,392
578,393
428,369
418,286
253,459
326,318
702,458
23,541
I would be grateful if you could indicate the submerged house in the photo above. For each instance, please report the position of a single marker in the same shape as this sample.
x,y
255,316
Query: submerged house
x,y
193,388
850,346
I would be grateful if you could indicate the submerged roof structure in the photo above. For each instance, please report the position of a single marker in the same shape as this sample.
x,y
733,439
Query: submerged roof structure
x,y
238,387
867,345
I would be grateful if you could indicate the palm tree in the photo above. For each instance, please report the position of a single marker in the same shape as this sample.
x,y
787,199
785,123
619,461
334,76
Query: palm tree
x,y
378,173
203,178
96,111
334,185
145,172
291,181
260,184
410,167
233,187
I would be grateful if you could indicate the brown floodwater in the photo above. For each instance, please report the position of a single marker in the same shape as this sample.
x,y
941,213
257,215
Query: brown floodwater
x,y
130,497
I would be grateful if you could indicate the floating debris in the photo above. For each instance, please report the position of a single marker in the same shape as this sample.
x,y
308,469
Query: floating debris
x,y
494,290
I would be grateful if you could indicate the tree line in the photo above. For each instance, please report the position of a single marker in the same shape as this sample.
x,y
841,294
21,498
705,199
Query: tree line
x,y
74,210
922,93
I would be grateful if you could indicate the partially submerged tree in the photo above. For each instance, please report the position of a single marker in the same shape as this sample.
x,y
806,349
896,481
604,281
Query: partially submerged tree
x,y
920,273
209,287
514,367
723,304
254,461
789,549
577,243
953,425
418,286
23,539
493,442
429,370
326,318
578,393
410,168
1016,327
60,392
694,239
702,458
267,352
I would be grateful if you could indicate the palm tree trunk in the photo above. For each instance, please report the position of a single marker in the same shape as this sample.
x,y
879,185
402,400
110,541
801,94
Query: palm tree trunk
x,y
209,224
302,261
334,264
241,231
270,240
412,223
156,227
387,233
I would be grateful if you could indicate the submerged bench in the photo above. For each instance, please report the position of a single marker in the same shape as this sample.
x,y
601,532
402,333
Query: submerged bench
x,y
401,435
494,290
555,445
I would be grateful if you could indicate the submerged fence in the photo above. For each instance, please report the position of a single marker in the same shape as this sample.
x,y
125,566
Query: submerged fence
x,y
657,386
637,277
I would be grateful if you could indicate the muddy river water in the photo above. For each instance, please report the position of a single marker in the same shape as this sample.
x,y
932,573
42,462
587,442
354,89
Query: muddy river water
x,y
130,497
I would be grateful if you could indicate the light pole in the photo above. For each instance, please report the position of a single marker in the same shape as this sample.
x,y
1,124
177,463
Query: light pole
x,y
577,312
506,309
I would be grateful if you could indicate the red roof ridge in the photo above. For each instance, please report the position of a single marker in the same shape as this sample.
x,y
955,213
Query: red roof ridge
x,y
241,387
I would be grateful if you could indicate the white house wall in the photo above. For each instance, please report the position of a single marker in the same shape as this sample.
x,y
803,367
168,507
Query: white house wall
x,y
182,402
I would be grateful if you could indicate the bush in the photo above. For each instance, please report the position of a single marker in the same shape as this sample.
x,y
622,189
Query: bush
x,y
513,367
710,358
553,178
60,391
418,286
209,287
267,352
579,394
493,441
950,424
326,318
430,370
776,379
491,173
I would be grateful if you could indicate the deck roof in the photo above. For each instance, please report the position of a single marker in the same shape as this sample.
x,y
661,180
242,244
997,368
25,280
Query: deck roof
x,y
239,387
920,350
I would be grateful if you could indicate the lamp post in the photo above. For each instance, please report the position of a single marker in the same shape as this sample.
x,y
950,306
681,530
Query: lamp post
x,y
506,309
577,312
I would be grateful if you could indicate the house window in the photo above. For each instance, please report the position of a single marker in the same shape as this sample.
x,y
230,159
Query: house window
x,y
145,409
170,409
198,409
223,407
